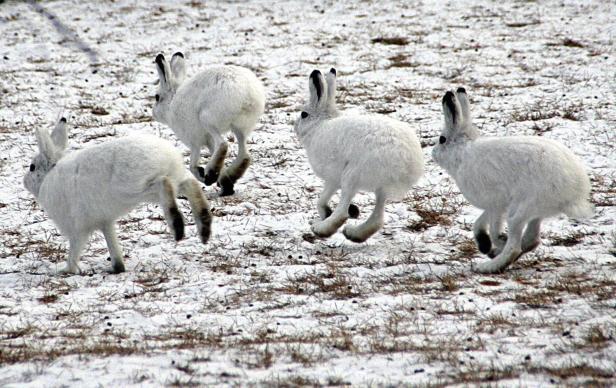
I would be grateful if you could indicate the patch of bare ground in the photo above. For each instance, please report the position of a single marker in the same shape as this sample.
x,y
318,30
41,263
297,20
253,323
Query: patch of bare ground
x,y
391,40
567,42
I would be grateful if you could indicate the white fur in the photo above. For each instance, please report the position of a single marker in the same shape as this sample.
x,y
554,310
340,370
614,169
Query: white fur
x,y
202,109
90,189
355,153
522,178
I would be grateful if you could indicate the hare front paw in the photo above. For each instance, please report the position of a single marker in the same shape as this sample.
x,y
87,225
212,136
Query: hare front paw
x,y
355,234
69,270
487,267
322,228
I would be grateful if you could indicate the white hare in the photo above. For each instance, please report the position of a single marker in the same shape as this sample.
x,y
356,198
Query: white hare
x,y
90,189
522,178
202,109
355,153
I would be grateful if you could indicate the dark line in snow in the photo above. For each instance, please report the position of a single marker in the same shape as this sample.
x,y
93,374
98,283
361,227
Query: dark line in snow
x,y
68,33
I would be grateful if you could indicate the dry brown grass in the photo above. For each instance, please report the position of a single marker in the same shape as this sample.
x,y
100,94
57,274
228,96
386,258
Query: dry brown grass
x,y
429,218
538,299
568,240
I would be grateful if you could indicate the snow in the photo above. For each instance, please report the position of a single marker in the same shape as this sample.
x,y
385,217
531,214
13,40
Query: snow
x,y
264,302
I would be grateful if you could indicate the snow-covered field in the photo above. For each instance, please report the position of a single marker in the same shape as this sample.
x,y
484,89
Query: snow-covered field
x,y
264,302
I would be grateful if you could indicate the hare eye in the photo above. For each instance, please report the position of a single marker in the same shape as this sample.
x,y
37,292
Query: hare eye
x,y
442,139
304,115
32,167
157,97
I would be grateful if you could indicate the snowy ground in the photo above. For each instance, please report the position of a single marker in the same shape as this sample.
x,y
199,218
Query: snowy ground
x,y
264,302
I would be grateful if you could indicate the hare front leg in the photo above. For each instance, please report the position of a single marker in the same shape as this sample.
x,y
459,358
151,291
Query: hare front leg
x,y
512,249
531,237
115,251
199,206
499,239
322,204
360,233
327,227
175,221
481,233
219,152
195,158
323,207
237,169
76,244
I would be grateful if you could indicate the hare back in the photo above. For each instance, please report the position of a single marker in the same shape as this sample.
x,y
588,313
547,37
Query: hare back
x,y
374,152
224,92
104,182
501,172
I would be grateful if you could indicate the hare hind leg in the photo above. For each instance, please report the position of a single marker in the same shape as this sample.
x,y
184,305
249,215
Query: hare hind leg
x,y
361,232
115,251
200,207
173,216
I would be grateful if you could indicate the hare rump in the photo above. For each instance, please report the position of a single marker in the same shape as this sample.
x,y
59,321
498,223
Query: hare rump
x,y
355,153
90,189
521,178
201,110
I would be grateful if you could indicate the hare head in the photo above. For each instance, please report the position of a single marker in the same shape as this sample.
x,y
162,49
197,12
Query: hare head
x,y
458,125
51,150
322,102
170,77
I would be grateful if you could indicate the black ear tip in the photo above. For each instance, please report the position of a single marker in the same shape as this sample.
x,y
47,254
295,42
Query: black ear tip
x,y
461,90
449,103
333,71
63,120
178,54
315,73
160,58
448,96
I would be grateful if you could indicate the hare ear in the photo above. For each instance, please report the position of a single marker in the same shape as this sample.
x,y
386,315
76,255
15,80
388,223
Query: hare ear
x,y
331,87
464,105
163,70
451,110
467,121
317,88
46,145
59,135
178,66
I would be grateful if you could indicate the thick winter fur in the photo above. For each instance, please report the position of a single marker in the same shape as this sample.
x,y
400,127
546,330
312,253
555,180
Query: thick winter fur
x,y
520,178
355,153
202,109
90,189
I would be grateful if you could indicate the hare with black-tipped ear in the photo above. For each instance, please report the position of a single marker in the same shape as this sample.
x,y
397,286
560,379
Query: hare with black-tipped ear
x,y
355,153
522,179
200,110
90,189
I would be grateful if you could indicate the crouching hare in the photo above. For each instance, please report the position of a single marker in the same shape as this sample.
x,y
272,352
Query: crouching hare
x,y
202,109
90,189
355,153
522,178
